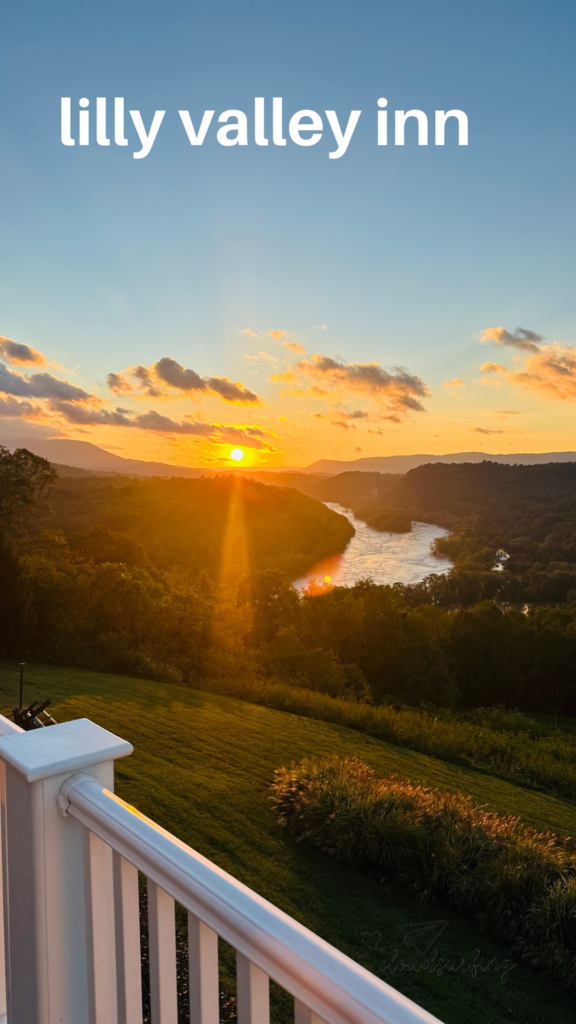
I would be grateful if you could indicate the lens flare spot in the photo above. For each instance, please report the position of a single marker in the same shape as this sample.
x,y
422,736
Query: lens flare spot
x,y
237,454
327,579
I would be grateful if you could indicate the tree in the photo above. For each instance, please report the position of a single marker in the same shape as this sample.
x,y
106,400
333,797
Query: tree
x,y
25,481
13,596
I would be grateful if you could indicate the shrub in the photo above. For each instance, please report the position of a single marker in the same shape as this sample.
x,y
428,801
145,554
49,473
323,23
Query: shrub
x,y
518,883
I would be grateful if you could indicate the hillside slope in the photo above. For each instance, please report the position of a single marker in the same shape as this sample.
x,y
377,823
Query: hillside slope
x,y
189,522
202,768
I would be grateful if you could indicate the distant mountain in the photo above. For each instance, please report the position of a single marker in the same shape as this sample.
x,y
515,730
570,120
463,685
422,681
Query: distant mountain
x,y
87,456
84,455
404,463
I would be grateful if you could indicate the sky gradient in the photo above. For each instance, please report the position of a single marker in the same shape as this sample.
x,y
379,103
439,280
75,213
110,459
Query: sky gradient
x,y
273,298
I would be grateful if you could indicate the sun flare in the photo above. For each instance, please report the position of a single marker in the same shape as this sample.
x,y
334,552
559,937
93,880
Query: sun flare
x,y
237,454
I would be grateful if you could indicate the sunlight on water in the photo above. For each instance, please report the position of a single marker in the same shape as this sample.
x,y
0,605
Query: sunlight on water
x,y
385,557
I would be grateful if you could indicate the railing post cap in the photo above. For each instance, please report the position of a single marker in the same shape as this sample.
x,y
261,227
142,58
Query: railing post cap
x,y
58,749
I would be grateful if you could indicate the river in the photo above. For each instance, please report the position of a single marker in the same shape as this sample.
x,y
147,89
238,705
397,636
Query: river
x,y
385,557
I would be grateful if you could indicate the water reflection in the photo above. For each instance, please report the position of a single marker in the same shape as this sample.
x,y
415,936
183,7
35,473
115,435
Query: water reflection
x,y
385,557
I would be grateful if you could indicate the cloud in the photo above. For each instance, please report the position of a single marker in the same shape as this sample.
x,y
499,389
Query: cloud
x,y
246,330
232,391
550,373
483,430
39,385
248,437
343,424
454,383
152,381
11,409
20,355
522,338
493,368
265,356
277,335
298,350
334,380
177,376
155,422
322,327
81,415
357,449
121,384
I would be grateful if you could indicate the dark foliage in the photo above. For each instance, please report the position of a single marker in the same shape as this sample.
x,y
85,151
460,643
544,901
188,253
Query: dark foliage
x,y
187,579
25,480
184,522
530,511
385,520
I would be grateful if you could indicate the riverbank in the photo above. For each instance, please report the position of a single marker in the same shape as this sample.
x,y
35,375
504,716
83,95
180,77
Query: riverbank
x,y
386,558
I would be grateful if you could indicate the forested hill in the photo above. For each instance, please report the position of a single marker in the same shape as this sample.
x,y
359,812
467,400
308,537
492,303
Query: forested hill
x,y
188,522
528,510
352,490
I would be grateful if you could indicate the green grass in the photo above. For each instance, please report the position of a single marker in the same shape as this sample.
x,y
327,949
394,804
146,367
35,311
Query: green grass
x,y
202,768
534,755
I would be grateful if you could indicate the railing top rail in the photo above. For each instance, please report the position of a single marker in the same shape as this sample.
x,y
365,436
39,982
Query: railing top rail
x,y
7,728
336,988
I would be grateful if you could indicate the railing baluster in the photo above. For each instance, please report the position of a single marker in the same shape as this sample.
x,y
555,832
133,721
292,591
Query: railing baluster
x,y
303,1015
203,960
253,992
128,963
162,945
100,930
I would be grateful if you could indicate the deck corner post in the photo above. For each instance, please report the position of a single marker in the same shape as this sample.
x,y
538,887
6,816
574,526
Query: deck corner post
x,y
45,871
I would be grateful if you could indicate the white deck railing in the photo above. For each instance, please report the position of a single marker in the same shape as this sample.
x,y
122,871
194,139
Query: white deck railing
x,y
72,851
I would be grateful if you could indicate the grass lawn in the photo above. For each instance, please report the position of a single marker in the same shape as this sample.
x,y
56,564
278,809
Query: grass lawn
x,y
202,768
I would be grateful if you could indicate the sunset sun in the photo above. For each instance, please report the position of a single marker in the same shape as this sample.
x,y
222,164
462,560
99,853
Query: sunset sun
x,y
237,454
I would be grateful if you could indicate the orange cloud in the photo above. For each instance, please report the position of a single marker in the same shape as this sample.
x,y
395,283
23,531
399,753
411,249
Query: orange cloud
x,y
264,356
299,350
484,430
277,335
454,383
20,355
521,338
162,379
493,368
283,378
334,381
550,373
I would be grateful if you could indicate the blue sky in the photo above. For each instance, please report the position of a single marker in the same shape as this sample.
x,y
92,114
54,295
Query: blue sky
x,y
405,254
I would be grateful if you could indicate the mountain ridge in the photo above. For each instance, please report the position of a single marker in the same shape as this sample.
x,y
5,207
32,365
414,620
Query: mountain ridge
x,y
404,463
85,455
88,456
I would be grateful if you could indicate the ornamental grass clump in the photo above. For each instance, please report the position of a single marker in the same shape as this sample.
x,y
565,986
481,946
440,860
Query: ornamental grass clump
x,y
519,884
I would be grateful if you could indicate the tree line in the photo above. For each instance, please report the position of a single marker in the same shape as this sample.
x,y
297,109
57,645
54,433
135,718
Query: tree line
x,y
186,579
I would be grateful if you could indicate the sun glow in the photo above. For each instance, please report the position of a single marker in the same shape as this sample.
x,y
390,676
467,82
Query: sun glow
x,y
237,454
